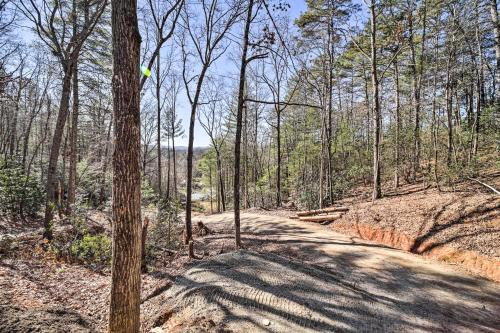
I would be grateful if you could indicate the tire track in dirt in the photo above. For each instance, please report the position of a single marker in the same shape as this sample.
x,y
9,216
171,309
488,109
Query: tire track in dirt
x,y
342,284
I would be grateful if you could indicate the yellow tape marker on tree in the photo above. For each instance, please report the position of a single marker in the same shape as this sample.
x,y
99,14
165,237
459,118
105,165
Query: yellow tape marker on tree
x,y
145,71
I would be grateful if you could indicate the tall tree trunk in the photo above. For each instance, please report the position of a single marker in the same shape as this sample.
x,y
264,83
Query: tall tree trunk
x,y
278,149
479,87
189,190
124,313
496,29
322,162
255,157
158,117
13,125
245,160
174,157
330,107
416,88
73,135
368,107
398,122
73,138
102,192
239,116
221,181
52,179
211,190
168,168
435,122
377,192
449,111
217,188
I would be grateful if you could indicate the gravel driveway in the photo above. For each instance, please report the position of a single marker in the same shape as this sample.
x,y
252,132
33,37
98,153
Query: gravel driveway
x,y
327,282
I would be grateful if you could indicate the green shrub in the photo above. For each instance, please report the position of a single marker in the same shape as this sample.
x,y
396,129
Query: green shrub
x,y
92,249
18,193
163,233
82,244
148,195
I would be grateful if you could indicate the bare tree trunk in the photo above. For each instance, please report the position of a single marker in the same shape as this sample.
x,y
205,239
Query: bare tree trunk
x,y
124,313
189,190
221,180
217,188
368,107
435,131
416,89
246,200
322,163
376,106
330,108
398,122
52,178
211,192
496,29
480,95
168,168
145,224
239,116
13,125
73,135
449,106
255,156
105,163
73,138
278,149
175,165
158,117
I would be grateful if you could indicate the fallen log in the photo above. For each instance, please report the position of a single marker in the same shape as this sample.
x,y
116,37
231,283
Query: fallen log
x,y
485,185
324,210
321,218
293,217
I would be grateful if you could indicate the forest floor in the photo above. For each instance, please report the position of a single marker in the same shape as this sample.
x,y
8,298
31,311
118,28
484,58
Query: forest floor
x,y
291,275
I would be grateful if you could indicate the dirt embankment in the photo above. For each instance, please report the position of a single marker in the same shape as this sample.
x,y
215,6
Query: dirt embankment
x,y
456,227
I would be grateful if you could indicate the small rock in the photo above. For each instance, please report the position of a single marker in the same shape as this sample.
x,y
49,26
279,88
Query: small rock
x,y
6,243
266,322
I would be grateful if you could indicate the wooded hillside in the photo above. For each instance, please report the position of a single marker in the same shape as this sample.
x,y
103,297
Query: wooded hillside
x,y
119,106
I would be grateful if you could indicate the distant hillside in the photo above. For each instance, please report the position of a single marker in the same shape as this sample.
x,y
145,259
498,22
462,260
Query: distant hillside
x,y
195,149
182,149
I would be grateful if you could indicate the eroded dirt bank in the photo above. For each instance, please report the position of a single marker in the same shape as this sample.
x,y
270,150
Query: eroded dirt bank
x,y
462,228
470,260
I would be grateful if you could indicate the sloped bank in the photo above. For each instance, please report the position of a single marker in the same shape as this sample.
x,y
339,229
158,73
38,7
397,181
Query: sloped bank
x,y
458,228
476,263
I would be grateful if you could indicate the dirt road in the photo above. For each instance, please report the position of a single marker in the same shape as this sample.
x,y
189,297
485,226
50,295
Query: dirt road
x,y
333,283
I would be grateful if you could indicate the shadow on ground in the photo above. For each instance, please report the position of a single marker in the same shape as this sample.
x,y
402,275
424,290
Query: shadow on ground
x,y
324,291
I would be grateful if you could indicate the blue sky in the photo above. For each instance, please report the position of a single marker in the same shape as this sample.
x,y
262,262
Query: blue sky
x,y
224,67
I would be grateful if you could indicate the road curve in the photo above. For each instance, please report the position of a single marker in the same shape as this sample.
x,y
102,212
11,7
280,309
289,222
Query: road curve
x,y
444,298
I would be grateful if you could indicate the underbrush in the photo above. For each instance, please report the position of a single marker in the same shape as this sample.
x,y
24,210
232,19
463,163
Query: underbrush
x,y
78,243
19,193
163,236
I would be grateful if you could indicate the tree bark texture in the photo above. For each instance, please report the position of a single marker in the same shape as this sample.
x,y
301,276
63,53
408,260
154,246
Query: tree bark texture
x,y
126,261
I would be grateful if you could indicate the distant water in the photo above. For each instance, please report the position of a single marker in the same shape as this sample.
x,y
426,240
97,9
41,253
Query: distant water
x,y
197,196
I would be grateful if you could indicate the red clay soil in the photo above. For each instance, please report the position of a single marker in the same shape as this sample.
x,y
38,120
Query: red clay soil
x,y
456,227
478,264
